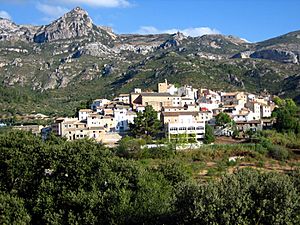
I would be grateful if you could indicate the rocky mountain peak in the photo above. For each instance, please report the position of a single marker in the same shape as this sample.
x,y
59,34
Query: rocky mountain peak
x,y
179,36
78,14
74,24
6,24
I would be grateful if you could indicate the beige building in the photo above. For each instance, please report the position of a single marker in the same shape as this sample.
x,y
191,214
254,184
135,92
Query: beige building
x,y
166,88
72,129
35,129
125,98
234,98
156,100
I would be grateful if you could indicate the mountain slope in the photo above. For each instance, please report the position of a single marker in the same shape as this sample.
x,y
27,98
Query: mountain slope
x,y
72,60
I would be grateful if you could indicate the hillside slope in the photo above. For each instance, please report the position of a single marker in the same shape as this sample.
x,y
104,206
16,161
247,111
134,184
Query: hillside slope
x,y
56,67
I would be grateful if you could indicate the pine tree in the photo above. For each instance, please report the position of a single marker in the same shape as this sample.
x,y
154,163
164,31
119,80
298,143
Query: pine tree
x,y
146,124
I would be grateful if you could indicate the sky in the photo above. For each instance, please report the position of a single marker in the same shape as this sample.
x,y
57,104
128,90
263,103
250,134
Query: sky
x,y
253,20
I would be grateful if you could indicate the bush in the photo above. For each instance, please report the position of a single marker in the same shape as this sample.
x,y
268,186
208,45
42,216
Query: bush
x,y
246,197
278,152
163,152
129,147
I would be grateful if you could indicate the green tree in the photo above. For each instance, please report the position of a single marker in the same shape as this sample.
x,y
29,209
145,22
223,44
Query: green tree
x,y
223,119
146,124
246,197
12,210
287,117
209,136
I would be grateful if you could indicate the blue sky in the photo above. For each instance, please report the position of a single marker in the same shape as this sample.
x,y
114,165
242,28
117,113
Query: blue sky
x,y
254,20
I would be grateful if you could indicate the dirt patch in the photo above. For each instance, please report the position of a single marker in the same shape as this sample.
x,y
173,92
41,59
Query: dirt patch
x,y
229,140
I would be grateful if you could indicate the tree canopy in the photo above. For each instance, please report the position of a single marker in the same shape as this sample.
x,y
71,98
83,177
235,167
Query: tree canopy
x,y
287,116
82,182
222,119
209,136
146,124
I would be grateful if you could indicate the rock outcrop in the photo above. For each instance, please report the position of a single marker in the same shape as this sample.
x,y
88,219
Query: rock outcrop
x,y
276,55
271,54
73,24
9,31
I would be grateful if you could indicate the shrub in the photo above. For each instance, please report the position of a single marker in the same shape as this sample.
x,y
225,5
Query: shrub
x,y
278,152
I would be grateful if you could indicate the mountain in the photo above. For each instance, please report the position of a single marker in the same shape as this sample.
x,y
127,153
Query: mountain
x,y
54,68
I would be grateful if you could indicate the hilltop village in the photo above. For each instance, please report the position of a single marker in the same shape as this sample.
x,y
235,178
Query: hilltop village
x,y
184,111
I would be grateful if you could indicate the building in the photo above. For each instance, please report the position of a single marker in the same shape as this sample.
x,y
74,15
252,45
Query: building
x,y
124,98
167,88
188,92
73,129
255,108
156,100
35,129
234,98
123,117
183,125
83,114
99,103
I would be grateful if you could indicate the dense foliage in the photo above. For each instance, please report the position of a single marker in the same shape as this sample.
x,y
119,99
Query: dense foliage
x,y
223,119
82,182
287,116
209,136
146,124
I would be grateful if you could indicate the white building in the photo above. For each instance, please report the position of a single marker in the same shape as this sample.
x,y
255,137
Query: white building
x,y
123,117
83,114
265,111
99,103
188,91
193,132
183,125
123,98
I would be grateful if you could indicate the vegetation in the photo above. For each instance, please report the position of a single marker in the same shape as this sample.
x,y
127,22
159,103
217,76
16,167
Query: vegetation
x,y
146,124
209,136
82,182
287,116
223,119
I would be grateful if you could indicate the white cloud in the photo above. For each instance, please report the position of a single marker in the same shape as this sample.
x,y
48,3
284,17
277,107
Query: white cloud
x,y
5,15
51,12
99,3
193,31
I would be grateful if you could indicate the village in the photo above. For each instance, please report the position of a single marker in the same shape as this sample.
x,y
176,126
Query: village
x,y
184,112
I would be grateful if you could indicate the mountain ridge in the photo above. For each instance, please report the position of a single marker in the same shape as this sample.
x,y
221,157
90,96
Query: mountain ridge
x,y
72,54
